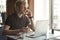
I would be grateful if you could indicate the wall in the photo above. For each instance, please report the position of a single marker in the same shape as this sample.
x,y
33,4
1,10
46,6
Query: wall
x,y
31,5
41,9
10,6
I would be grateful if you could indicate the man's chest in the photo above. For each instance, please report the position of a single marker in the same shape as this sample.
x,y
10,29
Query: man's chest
x,y
18,22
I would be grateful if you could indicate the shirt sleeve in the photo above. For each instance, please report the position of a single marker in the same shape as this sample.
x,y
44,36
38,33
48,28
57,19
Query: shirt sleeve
x,y
27,21
8,21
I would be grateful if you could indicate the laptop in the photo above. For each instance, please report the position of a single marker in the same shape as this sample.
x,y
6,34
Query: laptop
x,y
40,29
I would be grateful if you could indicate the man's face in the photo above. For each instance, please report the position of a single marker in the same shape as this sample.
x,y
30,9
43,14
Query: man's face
x,y
20,8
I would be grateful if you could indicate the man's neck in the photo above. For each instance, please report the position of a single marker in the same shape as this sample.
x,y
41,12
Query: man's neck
x,y
20,15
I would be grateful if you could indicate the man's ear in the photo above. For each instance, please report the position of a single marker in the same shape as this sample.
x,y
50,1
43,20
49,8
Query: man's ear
x,y
16,8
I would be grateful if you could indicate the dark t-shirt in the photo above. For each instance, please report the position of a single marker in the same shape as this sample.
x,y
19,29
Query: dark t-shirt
x,y
15,22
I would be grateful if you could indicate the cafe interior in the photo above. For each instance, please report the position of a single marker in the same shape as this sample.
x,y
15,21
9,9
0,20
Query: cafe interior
x,y
44,17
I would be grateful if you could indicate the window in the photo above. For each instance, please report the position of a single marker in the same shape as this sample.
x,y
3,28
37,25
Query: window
x,y
2,5
56,14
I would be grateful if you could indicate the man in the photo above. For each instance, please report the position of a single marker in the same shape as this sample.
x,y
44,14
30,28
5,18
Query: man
x,y
17,22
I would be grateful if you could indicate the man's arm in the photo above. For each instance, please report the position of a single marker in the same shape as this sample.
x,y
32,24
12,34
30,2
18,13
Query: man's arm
x,y
31,25
30,18
7,31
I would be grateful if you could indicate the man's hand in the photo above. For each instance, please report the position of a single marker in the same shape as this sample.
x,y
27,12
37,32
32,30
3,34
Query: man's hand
x,y
26,29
